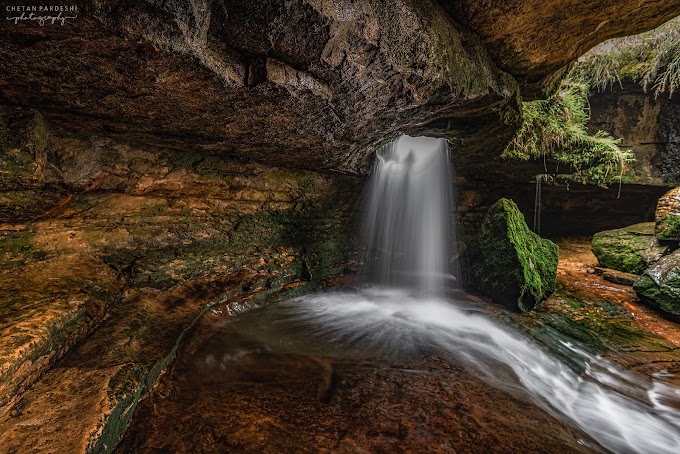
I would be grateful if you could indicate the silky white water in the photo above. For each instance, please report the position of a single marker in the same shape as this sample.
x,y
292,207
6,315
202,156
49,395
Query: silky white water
x,y
408,241
406,230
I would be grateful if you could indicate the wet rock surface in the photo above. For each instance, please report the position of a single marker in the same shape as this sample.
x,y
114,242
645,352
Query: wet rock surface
x,y
630,249
233,393
606,316
616,277
659,285
112,274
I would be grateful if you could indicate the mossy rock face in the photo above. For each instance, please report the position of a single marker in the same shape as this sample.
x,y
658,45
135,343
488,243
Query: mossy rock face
x,y
513,265
659,286
631,249
668,228
668,216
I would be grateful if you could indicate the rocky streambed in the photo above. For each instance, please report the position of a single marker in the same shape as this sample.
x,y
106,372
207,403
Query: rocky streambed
x,y
231,390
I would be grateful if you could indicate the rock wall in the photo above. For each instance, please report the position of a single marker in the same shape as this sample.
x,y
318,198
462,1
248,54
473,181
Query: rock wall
x,y
565,210
300,83
126,246
648,125
306,84
533,38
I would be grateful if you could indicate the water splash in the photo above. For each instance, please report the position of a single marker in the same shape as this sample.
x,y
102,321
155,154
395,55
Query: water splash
x,y
406,230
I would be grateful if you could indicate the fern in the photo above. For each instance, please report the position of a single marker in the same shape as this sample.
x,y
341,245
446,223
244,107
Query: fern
x,y
555,130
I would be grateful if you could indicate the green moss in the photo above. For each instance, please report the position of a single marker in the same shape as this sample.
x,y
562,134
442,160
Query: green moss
x,y
651,58
630,249
317,234
670,228
514,266
599,324
556,129
573,303
16,243
125,390
580,331
18,171
34,133
58,336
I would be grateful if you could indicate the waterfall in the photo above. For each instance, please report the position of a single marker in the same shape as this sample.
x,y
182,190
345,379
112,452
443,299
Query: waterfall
x,y
408,235
407,231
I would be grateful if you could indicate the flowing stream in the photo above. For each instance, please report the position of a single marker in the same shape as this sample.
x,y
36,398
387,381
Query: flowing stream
x,y
408,309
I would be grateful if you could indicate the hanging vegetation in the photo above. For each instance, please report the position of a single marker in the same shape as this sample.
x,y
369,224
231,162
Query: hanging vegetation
x,y
555,129
651,58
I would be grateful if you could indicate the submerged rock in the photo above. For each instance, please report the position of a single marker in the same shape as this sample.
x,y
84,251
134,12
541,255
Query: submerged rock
x,y
514,266
616,277
630,249
659,286
668,216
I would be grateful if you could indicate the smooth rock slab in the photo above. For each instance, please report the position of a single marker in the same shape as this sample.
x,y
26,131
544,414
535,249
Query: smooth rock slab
x,y
630,249
232,393
46,307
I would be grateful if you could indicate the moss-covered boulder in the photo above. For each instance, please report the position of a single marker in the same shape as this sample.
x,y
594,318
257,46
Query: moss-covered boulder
x,y
630,249
659,286
513,265
668,216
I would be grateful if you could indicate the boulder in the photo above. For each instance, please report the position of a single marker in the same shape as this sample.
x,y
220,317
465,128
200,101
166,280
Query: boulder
x,y
668,216
659,286
513,265
630,249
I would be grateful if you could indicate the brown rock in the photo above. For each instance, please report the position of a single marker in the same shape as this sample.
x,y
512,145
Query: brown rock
x,y
616,277
534,38
314,84
668,216
646,124
239,396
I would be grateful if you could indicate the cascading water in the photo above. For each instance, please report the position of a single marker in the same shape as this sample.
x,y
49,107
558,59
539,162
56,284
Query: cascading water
x,y
407,231
407,241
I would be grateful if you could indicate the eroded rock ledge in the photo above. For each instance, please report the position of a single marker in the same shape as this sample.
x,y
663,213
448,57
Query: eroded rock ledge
x,y
309,84
302,84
